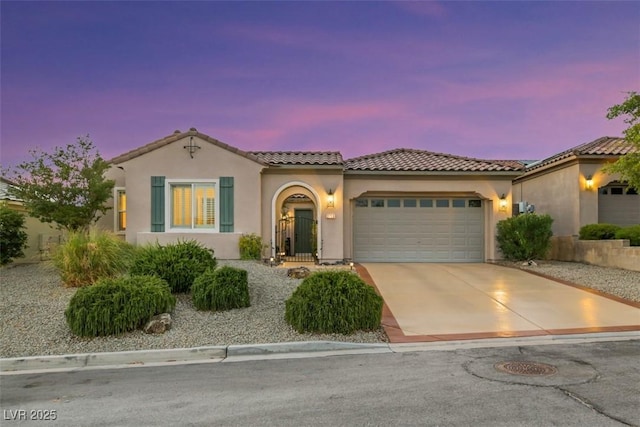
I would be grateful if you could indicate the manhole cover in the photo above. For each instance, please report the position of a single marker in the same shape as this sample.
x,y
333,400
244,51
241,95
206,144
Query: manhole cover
x,y
530,369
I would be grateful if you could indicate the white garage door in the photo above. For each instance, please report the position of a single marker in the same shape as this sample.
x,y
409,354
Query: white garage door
x,y
418,230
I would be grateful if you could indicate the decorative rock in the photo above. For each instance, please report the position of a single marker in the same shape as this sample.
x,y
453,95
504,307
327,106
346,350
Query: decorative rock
x,y
158,324
298,272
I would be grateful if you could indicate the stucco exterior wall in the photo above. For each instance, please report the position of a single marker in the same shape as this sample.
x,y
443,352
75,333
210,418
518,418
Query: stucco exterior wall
x,y
41,237
487,188
561,192
277,185
173,162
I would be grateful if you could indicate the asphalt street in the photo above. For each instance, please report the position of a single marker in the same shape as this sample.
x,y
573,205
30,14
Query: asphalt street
x,y
588,384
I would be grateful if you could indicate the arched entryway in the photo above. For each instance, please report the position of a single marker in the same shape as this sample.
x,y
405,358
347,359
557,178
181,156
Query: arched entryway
x,y
295,223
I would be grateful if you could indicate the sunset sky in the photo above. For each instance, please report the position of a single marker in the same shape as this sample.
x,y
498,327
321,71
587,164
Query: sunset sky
x,y
496,80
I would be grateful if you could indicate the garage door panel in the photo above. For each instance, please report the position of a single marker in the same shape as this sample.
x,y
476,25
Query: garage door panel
x,y
420,232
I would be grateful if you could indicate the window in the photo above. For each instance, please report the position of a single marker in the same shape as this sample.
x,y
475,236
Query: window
x,y
426,203
475,203
393,203
377,203
121,209
362,203
410,203
442,203
458,203
193,205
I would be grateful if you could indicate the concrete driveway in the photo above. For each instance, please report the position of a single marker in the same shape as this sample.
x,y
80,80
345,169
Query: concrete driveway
x,y
432,302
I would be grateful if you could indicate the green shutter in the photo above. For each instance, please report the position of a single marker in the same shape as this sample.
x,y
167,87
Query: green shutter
x,y
226,204
157,203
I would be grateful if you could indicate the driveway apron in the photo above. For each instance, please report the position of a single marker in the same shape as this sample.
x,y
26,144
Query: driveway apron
x,y
431,302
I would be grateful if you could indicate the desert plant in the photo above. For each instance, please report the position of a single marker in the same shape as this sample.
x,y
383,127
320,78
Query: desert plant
x,y
631,233
84,258
221,289
598,231
333,302
13,238
250,246
114,306
525,237
178,263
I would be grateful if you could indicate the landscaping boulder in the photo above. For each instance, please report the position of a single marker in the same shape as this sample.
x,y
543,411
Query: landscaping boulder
x,y
159,324
299,272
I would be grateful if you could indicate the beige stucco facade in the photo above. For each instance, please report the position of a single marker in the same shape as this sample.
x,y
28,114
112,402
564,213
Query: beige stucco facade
x,y
561,191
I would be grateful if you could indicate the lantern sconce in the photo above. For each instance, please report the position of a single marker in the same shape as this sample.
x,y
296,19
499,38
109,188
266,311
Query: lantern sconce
x,y
588,183
502,203
330,199
191,147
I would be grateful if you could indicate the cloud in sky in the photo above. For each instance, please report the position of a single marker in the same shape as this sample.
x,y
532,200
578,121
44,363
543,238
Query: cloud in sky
x,y
482,79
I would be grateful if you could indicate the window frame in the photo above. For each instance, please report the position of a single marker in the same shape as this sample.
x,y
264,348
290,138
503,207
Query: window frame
x,y
116,208
169,184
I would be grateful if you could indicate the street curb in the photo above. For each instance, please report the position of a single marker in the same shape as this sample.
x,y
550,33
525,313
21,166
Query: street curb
x,y
95,360
299,347
68,362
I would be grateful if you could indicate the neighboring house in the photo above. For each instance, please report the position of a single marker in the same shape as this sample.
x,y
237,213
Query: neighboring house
x,y
571,187
400,205
41,236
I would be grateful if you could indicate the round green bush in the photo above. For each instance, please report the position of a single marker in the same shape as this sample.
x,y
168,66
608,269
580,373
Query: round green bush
x,y
13,238
524,237
179,264
222,289
333,302
598,231
250,246
113,306
632,233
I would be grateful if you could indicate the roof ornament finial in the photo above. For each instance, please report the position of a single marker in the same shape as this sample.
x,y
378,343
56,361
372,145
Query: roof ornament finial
x,y
192,147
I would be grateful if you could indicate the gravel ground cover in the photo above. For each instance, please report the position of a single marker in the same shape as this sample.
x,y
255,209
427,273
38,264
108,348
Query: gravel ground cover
x,y
32,323
33,300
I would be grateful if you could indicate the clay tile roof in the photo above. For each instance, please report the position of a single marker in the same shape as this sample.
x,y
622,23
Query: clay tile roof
x,y
403,159
329,158
606,146
174,137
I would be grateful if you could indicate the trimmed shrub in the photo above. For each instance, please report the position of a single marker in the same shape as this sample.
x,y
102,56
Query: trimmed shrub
x,y
631,233
250,246
598,231
114,306
179,264
84,258
13,238
333,302
525,237
222,289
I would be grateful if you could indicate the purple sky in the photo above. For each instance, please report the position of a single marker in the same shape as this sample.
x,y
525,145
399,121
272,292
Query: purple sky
x,y
509,80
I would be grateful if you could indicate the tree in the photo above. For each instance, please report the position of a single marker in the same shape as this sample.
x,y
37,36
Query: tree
x,y
628,166
66,187
13,238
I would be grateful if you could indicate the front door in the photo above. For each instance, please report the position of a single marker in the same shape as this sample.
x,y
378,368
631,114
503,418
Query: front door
x,y
303,231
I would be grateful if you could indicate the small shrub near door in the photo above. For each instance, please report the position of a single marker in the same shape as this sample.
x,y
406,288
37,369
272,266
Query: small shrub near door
x,y
631,233
179,264
333,302
525,237
598,231
85,258
114,306
250,246
222,289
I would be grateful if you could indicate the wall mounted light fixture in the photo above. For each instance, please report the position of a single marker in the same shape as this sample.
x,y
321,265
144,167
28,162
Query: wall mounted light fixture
x,y
588,183
330,199
502,203
192,147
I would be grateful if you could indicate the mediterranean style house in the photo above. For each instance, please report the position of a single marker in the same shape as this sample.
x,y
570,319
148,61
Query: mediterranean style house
x,y
399,205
